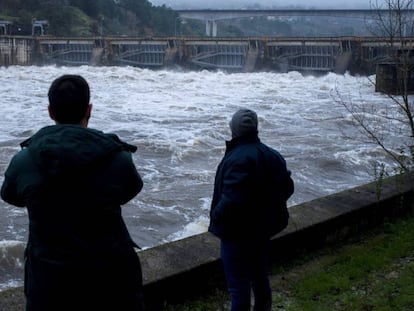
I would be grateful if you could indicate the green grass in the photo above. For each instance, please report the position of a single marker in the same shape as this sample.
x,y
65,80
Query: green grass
x,y
374,271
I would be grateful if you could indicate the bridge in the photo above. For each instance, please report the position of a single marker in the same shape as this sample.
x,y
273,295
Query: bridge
x,y
212,16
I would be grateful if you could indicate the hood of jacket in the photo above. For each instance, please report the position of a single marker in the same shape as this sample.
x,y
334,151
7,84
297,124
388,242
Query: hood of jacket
x,y
60,149
242,140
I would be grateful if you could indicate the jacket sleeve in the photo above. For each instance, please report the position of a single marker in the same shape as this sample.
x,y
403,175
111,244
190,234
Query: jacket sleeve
x,y
124,178
235,192
10,189
288,186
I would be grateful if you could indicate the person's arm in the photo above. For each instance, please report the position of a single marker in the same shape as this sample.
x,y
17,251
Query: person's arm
x,y
9,189
288,186
235,192
125,177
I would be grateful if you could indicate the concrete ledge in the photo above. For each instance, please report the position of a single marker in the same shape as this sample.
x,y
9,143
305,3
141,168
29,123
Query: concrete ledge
x,y
179,269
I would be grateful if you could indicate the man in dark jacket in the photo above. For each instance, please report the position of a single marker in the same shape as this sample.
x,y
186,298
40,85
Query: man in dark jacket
x,y
252,185
73,181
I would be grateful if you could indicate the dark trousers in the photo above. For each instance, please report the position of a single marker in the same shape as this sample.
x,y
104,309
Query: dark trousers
x,y
246,268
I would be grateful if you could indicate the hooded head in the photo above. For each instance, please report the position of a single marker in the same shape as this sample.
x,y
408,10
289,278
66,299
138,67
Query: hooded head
x,y
243,122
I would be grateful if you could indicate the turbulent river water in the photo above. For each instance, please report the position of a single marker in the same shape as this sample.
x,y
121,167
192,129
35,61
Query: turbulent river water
x,y
179,122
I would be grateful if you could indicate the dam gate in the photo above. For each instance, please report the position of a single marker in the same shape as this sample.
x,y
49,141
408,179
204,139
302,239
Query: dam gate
x,y
229,54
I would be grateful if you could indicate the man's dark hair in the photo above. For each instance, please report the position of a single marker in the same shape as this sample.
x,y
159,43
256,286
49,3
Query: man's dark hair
x,y
69,97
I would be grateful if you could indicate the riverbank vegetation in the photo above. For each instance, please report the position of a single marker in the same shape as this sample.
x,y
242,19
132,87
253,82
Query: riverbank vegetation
x,y
372,271
395,117
90,18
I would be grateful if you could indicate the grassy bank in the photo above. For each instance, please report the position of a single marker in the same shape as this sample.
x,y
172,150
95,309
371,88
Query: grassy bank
x,y
372,271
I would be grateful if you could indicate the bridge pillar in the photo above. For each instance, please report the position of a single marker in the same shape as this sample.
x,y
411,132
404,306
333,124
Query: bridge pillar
x,y
211,28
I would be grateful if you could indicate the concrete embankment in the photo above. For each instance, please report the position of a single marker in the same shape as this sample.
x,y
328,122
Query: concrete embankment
x,y
179,269
175,270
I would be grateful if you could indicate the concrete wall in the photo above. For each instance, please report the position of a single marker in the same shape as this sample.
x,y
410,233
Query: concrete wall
x,y
395,79
15,51
175,270
179,269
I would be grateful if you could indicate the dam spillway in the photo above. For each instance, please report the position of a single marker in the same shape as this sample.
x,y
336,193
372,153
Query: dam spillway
x,y
333,54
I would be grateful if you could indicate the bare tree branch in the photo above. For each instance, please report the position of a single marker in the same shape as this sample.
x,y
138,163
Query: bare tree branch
x,y
395,118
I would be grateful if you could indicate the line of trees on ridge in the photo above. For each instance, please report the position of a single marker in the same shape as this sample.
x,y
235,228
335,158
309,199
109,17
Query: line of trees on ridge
x,y
90,18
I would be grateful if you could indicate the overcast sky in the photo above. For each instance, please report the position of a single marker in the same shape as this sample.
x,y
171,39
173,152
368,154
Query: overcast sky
x,y
239,4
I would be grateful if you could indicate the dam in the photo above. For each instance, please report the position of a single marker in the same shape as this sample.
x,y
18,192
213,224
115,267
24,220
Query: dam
x,y
358,55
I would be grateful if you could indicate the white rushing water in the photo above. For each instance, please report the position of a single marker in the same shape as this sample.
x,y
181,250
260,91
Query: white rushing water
x,y
179,122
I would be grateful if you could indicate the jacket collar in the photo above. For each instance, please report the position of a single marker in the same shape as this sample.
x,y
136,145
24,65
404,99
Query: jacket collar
x,y
242,140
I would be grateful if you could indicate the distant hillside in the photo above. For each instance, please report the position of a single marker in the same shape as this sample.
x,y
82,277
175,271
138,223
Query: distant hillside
x,y
140,18
90,18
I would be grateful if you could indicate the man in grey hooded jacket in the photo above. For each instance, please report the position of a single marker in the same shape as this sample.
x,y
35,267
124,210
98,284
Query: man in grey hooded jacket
x,y
73,181
252,185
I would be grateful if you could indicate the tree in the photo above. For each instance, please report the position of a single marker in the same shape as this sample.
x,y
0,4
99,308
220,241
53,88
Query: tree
x,y
165,21
86,17
394,117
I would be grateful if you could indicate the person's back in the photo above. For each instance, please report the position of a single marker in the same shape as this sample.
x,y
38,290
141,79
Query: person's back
x,y
251,187
73,181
